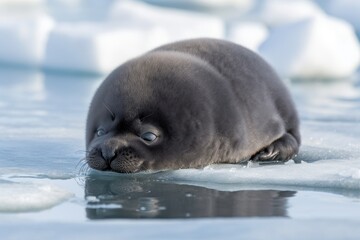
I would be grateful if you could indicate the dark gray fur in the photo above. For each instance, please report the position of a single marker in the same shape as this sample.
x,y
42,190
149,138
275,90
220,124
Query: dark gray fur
x,y
209,101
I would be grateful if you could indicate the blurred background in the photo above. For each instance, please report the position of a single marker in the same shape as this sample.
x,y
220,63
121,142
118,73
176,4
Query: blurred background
x,y
304,39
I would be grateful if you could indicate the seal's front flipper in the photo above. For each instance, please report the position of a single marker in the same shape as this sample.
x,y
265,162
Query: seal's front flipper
x,y
282,149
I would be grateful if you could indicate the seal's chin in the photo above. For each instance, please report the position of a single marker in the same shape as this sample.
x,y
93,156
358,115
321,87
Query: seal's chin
x,y
124,162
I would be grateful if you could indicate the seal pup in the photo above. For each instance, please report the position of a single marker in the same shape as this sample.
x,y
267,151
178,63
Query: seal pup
x,y
189,104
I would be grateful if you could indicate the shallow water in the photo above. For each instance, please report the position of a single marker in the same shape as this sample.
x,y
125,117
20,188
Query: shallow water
x,y
42,120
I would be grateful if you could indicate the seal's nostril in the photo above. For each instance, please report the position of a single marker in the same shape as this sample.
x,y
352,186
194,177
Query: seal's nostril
x,y
108,154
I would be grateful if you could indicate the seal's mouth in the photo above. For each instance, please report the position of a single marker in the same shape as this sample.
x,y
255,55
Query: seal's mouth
x,y
123,161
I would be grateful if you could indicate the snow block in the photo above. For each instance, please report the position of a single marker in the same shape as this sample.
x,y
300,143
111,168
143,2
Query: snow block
x,y
321,47
177,24
96,48
23,39
248,34
278,12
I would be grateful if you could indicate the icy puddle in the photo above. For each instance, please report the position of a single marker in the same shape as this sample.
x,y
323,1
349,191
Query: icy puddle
x,y
42,119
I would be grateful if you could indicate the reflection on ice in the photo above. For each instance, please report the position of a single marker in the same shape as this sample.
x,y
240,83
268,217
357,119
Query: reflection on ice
x,y
129,198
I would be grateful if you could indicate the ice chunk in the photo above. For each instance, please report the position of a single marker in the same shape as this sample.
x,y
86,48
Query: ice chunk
x,y
135,28
335,174
97,48
23,39
177,24
26,197
248,34
346,9
277,12
322,46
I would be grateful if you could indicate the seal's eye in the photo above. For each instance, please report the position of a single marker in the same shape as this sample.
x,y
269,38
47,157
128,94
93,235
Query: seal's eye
x,y
148,136
100,132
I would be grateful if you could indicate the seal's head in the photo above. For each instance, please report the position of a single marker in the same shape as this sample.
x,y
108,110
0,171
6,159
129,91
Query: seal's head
x,y
164,110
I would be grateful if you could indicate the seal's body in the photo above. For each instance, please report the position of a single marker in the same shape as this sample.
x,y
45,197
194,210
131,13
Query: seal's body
x,y
189,104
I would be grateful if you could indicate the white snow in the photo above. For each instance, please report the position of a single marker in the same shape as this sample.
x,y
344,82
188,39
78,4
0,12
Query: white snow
x,y
278,12
323,47
248,34
23,197
23,39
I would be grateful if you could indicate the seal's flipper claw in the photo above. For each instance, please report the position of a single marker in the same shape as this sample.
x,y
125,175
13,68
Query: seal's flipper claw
x,y
282,149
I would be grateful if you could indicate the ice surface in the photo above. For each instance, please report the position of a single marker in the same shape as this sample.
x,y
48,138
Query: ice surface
x,y
248,34
23,39
271,228
177,24
278,12
341,174
43,105
23,197
320,47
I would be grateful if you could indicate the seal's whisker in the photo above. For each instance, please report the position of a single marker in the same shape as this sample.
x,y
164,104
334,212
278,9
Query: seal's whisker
x,y
142,119
81,161
82,167
107,108
83,170
82,151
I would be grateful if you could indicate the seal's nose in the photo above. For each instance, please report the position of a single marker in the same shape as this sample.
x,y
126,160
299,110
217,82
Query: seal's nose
x,y
108,153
